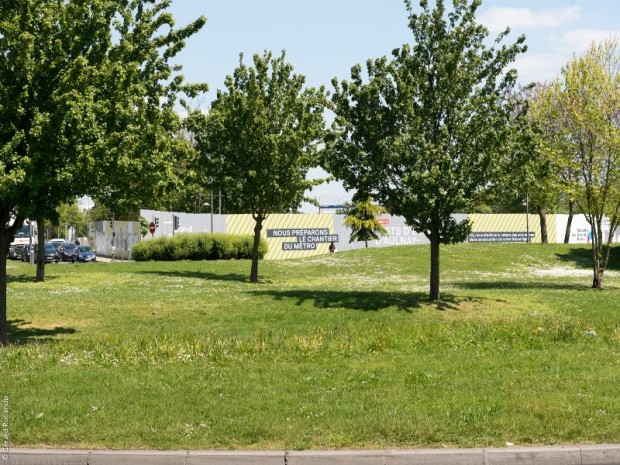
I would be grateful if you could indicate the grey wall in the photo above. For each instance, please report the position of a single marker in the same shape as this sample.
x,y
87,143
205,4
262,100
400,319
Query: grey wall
x,y
188,222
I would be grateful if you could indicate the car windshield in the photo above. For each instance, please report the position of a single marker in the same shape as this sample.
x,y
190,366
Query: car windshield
x,y
24,231
84,248
50,248
70,246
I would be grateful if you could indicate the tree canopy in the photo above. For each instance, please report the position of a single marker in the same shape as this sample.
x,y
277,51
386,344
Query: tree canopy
x,y
260,138
585,141
420,133
88,98
530,172
362,220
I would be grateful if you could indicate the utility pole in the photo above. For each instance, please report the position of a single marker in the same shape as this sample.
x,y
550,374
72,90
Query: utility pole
x,y
527,214
211,211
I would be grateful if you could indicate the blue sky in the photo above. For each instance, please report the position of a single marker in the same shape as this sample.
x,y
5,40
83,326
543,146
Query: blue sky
x,y
324,38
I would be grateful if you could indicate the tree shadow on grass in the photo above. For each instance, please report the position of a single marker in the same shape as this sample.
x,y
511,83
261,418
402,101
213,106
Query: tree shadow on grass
x,y
26,278
20,332
201,275
367,301
582,257
512,285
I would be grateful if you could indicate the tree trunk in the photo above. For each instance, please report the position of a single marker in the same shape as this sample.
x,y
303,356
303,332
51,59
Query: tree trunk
x,y
597,282
434,288
40,256
542,213
366,243
597,253
569,222
257,230
5,242
604,256
6,237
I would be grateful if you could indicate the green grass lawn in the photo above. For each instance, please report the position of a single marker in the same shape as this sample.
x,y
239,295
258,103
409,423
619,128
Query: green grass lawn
x,y
339,351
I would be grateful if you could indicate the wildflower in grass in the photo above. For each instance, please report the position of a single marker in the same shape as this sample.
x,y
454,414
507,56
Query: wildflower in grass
x,y
70,359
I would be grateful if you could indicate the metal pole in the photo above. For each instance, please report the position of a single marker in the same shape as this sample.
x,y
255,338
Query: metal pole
x,y
527,214
30,248
212,211
113,242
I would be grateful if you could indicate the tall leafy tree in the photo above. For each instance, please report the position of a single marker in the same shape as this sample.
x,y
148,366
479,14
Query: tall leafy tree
x,y
421,136
540,154
547,112
533,170
87,96
589,142
362,220
260,138
70,216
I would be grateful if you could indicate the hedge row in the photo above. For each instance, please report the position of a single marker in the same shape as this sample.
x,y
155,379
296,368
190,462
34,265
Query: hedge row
x,y
203,246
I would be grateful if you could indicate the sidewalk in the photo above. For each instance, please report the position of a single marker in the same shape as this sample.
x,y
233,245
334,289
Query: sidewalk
x,y
106,259
547,455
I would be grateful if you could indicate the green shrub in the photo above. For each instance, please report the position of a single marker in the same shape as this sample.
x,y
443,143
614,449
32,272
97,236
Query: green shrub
x,y
245,247
203,246
225,246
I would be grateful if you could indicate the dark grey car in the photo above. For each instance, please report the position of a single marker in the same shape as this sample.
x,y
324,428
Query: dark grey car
x,y
51,255
68,253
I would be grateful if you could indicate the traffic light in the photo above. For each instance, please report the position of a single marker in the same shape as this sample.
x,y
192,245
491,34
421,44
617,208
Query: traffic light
x,y
176,222
156,222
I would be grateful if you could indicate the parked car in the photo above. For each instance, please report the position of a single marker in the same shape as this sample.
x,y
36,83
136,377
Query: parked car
x,y
51,255
86,254
68,252
58,244
15,251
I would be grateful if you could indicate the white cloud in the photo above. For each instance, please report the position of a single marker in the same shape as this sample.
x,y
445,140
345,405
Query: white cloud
x,y
540,67
498,18
579,40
